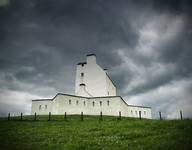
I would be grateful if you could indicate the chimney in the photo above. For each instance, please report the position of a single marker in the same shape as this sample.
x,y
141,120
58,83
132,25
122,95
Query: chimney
x,y
91,59
106,70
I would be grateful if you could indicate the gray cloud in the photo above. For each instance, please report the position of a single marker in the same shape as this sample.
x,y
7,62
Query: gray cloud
x,y
146,45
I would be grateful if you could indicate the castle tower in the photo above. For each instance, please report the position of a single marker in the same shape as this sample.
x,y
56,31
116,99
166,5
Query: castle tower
x,y
92,80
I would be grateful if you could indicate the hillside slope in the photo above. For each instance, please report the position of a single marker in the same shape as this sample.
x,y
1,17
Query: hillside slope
x,y
92,133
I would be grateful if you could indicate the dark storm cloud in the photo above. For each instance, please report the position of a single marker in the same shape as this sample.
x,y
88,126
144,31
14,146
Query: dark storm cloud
x,y
35,29
42,40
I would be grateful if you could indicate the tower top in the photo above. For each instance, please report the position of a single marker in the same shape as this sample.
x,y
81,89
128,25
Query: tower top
x,y
91,59
92,80
91,54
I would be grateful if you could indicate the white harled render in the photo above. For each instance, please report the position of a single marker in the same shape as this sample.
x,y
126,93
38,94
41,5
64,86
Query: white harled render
x,y
92,80
95,92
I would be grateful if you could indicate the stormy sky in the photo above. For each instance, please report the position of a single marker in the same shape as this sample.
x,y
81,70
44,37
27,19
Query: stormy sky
x,y
146,46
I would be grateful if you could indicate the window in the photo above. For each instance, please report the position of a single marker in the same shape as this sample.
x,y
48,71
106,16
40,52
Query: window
x,y
77,102
100,103
69,102
82,65
39,107
82,74
45,106
84,103
108,103
144,112
131,112
93,104
108,92
136,112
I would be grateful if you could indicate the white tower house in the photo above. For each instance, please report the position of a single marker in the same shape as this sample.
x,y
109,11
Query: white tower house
x,y
92,80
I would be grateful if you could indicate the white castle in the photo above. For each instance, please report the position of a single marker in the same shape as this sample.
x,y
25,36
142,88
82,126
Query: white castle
x,y
95,92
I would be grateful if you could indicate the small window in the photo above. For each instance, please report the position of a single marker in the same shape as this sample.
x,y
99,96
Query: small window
x,y
136,112
100,103
108,92
77,102
93,104
82,65
144,112
69,102
84,103
82,74
108,103
131,112
45,106
39,107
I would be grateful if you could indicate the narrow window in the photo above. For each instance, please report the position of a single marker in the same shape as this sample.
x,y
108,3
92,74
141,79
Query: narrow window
x,y
131,112
39,107
144,112
93,104
82,74
108,103
69,102
84,103
77,102
136,112
108,92
45,106
100,103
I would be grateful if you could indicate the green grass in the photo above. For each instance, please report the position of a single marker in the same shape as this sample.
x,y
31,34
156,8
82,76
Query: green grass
x,y
109,134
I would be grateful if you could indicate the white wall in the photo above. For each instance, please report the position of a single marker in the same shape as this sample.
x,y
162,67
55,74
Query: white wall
x,y
111,89
60,105
95,79
134,111
41,106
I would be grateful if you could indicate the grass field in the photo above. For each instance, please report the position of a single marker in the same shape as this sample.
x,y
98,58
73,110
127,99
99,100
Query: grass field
x,y
109,134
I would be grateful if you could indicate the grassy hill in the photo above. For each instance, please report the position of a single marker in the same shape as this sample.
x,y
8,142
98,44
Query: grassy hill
x,y
109,134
